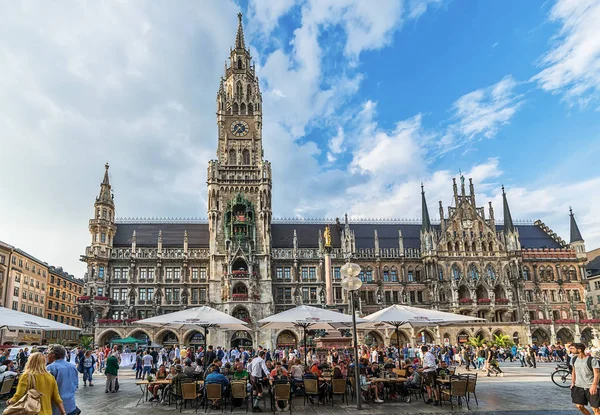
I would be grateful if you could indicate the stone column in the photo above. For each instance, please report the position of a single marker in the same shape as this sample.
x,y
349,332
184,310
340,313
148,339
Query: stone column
x,y
552,333
328,278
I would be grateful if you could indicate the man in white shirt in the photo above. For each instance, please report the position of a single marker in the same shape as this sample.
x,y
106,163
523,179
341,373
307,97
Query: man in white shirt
x,y
429,375
374,355
177,352
257,370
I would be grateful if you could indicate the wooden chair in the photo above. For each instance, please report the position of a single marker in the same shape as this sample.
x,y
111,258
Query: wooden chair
x,y
401,373
338,387
188,392
458,390
352,387
175,392
311,388
213,392
239,390
472,378
282,392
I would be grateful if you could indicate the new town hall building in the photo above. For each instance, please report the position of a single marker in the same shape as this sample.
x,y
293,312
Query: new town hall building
x,y
526,281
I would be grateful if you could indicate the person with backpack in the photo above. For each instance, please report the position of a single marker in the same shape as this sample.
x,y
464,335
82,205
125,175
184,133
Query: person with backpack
x,y
585,377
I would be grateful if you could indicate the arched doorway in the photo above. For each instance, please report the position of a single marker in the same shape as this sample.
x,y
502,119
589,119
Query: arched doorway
x,y
587,336
287,339
141,335
404,339
195,339
564,336
109,336
482,334
462,337
424,337
168,338
241,338
540,336
374,339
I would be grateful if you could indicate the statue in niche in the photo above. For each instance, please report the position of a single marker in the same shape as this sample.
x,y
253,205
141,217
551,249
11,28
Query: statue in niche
x,y
225,290
327,237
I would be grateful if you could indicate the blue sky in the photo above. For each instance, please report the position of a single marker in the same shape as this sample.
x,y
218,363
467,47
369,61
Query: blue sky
x,y
363,101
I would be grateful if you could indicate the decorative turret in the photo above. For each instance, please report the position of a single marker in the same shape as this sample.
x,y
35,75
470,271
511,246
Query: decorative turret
x,y
511,234
239,36
576,242
185,242
133,242
160,241
426,228
400,242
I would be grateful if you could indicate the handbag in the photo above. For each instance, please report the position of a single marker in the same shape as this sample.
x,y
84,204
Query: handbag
x,y
29,404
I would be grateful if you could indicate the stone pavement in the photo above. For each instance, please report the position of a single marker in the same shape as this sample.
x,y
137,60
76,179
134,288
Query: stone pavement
x,y
521,391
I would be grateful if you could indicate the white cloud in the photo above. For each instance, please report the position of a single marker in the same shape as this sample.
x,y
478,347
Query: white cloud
x,y
572,65
481,113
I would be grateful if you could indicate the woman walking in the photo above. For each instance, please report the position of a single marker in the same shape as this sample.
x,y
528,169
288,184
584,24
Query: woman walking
x,y
42,381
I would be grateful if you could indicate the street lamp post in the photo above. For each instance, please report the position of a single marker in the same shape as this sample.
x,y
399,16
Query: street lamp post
x,y
352,283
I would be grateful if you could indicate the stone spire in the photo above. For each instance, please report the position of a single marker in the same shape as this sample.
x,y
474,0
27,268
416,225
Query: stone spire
x,y
105,195
425,221
239,36
508,222
575,234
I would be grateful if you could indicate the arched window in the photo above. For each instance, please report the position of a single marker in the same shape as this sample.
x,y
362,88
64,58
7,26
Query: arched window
x,y
473,272
449,246
248,91
232,157
243,109
250,108
236,109
238,89
526,274
491,274
455,272
240,64
246,157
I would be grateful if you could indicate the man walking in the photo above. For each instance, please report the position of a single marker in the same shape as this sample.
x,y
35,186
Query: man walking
x,y
257,370
584,384
429,375
66,376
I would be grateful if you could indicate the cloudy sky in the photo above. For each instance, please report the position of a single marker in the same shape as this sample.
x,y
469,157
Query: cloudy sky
x,y
361,105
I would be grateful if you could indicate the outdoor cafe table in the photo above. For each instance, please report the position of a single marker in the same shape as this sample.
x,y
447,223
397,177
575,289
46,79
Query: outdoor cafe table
x,y
396,380
143,384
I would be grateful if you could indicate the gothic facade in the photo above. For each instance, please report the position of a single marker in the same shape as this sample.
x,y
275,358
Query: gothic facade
x,y
521,277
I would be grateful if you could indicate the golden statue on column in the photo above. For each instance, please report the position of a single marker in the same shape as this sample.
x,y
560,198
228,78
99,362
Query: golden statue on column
x,y
327,236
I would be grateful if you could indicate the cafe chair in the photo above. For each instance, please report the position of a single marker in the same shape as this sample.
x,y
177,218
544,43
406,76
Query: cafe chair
x,y
458,390
213,392
338,387
173,392
239,390
7,385
282,392
311,388
400,372
472,378
417,391
188,393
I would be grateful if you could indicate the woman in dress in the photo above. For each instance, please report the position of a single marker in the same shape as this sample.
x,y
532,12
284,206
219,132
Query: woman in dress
x,y
45,383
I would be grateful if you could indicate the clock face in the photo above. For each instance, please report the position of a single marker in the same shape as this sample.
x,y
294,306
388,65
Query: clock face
x,y
239,128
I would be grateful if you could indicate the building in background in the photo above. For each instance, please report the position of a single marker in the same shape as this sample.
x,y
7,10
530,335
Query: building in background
x,y
526,281
593,279
24,287
63,290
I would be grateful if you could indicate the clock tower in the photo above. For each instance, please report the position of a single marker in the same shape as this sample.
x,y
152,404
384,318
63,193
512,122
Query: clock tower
x,y
239,195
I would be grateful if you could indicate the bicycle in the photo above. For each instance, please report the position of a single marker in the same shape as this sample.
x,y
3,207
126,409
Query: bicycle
x,y
561,376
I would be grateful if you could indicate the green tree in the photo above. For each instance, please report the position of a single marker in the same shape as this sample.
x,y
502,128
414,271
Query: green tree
x,y
476,341
502,340
86,342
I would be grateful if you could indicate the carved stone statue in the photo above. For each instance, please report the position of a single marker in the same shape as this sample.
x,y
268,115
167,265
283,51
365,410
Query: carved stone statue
x,y
526,316
184,296
327,237
131,311
225,290
322,296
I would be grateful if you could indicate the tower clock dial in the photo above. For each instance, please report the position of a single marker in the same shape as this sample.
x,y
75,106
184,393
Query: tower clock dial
x,y
239,128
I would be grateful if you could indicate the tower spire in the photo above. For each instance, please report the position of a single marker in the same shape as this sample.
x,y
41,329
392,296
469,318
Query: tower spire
x,y
575,234
239,37
508,222
425,221
105,193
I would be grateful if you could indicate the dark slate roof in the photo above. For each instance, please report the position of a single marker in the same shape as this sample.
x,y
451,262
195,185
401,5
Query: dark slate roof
x,y
531,236
172,234
593,267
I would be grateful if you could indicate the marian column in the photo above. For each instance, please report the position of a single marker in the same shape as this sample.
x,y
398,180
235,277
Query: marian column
x,y
328,276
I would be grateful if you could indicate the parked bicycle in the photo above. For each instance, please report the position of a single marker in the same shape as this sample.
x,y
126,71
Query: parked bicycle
x,y
562,375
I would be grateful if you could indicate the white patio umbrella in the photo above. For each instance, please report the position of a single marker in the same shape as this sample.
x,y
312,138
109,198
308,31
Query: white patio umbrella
x,y
16,320
305,317
397,316
192,318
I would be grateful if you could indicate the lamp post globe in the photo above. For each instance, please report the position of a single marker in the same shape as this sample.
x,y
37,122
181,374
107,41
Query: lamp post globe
x,y
350,269
351,284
